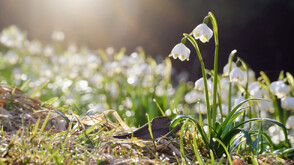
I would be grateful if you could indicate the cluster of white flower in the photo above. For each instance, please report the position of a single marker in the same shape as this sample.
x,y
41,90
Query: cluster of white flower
x,y
84,76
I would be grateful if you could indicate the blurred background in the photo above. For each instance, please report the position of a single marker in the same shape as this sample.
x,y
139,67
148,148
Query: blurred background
x,y
261,31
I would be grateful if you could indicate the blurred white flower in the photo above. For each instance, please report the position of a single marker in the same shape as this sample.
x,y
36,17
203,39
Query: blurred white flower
x,y
192,97
11,57
279,88
238,76
180,51
290,122
287,103
266,106
199,85
202,32
96,109
128,103
240,99
225,110
276,134
57,35
226,70
251,75
160,90
12,37
201,107
48,50
34,47
283,90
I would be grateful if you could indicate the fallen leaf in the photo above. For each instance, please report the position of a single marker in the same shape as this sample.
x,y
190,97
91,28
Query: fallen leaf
x,y
159,126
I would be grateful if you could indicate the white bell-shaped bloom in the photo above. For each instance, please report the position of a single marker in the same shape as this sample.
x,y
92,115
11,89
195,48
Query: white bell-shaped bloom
x,y
180,51
276,134
199,85
251,75
279,88
290,122
240,99
226,70
238,76
266,106
202,32
287,103
283,90
193,96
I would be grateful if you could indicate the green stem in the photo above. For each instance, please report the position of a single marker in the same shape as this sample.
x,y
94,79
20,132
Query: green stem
x,y
230,83
215,31
194,43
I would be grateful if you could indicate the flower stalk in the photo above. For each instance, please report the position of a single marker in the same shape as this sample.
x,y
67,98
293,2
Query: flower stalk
x,y
216,41
194,43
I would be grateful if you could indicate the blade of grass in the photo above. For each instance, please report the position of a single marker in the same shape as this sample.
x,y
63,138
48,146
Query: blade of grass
x,y
226,150
195,146
40,88
36,127
10,101
163,114
150,131
184,161
25,84
44,124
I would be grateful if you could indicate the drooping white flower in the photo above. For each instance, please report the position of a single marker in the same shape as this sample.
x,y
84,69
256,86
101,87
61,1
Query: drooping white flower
x,y
226,70
199,84
202,32
180,51
240,99
238,76
276,134
193,96
287,103
290,122
280,89
283,90
266,106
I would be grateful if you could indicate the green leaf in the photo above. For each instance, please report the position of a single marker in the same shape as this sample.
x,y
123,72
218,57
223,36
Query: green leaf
x,y
282,126
231,115
44,124
40,88
225,148
180,118
62,115
281,75
50,101
290,80
25,84
36,127
265,78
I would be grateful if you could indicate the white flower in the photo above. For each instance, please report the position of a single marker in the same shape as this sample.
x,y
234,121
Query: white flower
x,y
290,122
266,106
180,51
280,89
193,96
238,76
199,84
240,99
203,32
276,134
226,71
287,103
